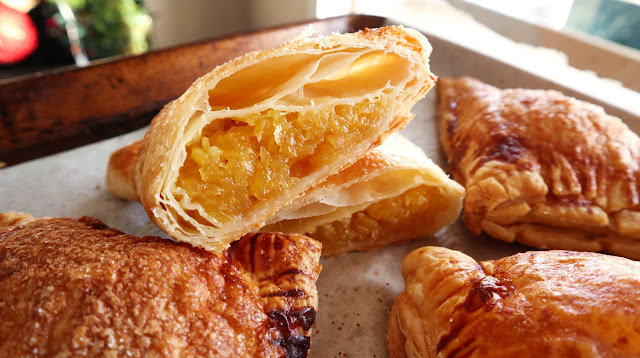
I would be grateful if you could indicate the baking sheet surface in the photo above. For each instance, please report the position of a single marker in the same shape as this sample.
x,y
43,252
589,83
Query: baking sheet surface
x,y
356,290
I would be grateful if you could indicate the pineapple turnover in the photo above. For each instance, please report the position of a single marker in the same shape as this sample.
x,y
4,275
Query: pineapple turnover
x,y
392,194
255,133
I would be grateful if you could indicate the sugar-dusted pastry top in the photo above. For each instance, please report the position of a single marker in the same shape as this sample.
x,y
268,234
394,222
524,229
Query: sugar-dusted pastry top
x,y
533,304
74,287
542,168
254,134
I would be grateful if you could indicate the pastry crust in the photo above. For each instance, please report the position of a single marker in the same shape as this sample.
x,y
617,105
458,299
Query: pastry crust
x,y
392,194
259,131
78,288
533,304
121,177
14,218
542,168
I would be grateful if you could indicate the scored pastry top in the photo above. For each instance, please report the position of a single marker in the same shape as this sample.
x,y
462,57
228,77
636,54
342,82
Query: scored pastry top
x,y
73,287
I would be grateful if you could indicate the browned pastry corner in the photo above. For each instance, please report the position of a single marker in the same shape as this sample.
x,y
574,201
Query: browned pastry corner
x,y
533,304
74,287
542,168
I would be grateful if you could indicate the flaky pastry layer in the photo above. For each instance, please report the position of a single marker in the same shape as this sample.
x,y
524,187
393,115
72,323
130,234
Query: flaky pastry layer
x,y
542,168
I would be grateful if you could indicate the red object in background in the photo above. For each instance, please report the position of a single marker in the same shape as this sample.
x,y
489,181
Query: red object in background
x,y
18,35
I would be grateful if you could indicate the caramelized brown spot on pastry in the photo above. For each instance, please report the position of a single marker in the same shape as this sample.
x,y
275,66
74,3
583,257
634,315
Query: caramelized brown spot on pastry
x,y
486,291
288,323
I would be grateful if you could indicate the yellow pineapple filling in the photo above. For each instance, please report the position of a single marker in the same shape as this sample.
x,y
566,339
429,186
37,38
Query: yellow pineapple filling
x,y
241,160
415,209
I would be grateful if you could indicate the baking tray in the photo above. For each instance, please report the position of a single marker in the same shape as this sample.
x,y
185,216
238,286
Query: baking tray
x,y
356,290
51,111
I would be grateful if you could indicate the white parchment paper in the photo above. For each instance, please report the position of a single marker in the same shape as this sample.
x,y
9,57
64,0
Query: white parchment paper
x,y
356,290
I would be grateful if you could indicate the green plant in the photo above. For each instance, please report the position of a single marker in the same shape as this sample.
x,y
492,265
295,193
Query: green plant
x,y
109,27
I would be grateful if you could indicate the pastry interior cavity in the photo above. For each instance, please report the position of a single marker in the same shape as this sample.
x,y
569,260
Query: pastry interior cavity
x,y
270,125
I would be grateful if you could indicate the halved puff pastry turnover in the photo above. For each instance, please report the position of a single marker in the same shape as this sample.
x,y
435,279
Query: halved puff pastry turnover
x,y
533,304
542,168
74,287
251,136
392,194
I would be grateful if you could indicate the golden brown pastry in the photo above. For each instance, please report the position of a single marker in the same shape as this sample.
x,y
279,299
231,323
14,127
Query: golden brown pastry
x,y
533,304
542,168
255,133
78,288
392,194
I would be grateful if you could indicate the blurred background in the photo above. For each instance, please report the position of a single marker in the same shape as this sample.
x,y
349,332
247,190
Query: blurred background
x,y
39,35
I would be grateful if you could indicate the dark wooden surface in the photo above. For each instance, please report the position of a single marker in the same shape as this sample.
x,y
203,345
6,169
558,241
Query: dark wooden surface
x,y
50,112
